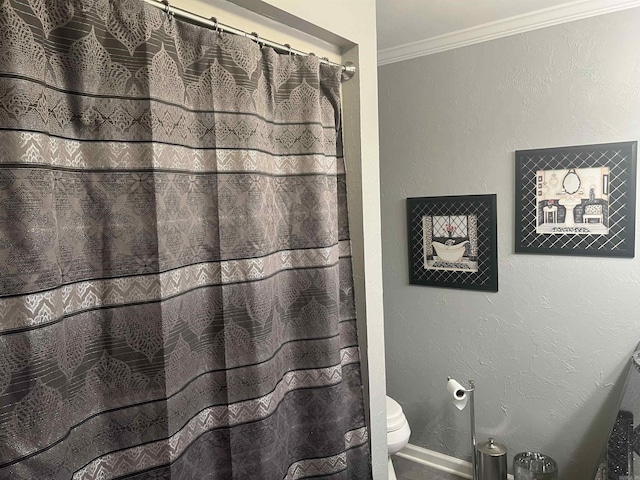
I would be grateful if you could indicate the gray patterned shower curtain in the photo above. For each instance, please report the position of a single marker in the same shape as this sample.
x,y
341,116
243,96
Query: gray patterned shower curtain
x,y
176,296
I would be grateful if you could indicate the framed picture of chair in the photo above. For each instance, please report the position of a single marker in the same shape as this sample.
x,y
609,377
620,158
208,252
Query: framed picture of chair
x,y
577,200
453,241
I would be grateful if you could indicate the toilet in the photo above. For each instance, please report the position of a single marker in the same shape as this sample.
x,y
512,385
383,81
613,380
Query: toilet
x,y
398,431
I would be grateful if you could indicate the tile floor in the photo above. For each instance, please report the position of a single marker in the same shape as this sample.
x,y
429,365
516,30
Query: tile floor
x,y
408,470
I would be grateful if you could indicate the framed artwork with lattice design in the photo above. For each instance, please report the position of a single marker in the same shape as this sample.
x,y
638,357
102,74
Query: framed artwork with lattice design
x,y
453,241
577,200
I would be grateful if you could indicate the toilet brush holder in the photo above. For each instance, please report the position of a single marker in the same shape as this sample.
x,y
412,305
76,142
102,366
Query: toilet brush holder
x,y
491,460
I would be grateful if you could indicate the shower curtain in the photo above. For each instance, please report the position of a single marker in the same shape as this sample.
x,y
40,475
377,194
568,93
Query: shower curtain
x,y
176,294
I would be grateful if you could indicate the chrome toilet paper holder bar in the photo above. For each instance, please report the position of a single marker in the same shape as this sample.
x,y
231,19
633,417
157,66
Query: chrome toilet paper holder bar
x,y
472,417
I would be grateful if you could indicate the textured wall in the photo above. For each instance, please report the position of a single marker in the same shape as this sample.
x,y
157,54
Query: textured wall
x,y
548,351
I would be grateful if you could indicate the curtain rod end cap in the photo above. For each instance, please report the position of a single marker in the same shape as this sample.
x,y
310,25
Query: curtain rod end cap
x,y
348,71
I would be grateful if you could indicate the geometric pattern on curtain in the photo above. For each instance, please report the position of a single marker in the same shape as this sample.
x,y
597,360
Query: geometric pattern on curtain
x,y
176,292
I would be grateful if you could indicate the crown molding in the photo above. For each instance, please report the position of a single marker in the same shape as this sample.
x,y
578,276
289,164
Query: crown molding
x,y
563,13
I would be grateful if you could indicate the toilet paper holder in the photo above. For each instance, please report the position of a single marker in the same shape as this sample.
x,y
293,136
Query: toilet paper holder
x,y
459,393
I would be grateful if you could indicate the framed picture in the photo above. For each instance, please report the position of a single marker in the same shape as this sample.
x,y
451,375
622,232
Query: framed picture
x,y
577,200
453,242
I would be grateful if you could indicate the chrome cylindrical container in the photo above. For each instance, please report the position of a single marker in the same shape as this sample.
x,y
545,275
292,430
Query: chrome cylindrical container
x,y
534,466
491,460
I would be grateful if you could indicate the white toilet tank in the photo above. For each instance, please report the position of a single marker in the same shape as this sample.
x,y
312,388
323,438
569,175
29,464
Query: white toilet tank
x,y
398,430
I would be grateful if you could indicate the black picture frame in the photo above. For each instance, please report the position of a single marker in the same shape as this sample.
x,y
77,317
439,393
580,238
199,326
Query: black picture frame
x,y
466,225
586,204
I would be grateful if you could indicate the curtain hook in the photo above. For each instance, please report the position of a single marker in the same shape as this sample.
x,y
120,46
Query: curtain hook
x,y
257,39
167,9
288,47
217,27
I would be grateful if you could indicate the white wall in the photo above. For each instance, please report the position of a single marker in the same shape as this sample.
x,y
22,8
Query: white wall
x,y
343,31
549,350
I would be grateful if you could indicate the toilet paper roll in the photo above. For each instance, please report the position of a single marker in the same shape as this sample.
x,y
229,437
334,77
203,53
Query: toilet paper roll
x,y
457,392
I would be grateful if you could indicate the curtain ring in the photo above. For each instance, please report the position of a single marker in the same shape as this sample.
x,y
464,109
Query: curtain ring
x,y
288,47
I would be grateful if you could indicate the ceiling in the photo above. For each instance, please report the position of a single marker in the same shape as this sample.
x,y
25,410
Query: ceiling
x,y
411,28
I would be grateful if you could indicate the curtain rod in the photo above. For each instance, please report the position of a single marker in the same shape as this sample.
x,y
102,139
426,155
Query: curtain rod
x,y
348,70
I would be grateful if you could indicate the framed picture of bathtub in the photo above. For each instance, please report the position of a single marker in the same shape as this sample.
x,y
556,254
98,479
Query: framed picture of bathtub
x,y
577,200
453,242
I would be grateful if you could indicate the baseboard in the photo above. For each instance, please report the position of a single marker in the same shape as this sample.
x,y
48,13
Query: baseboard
x,y
438,461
